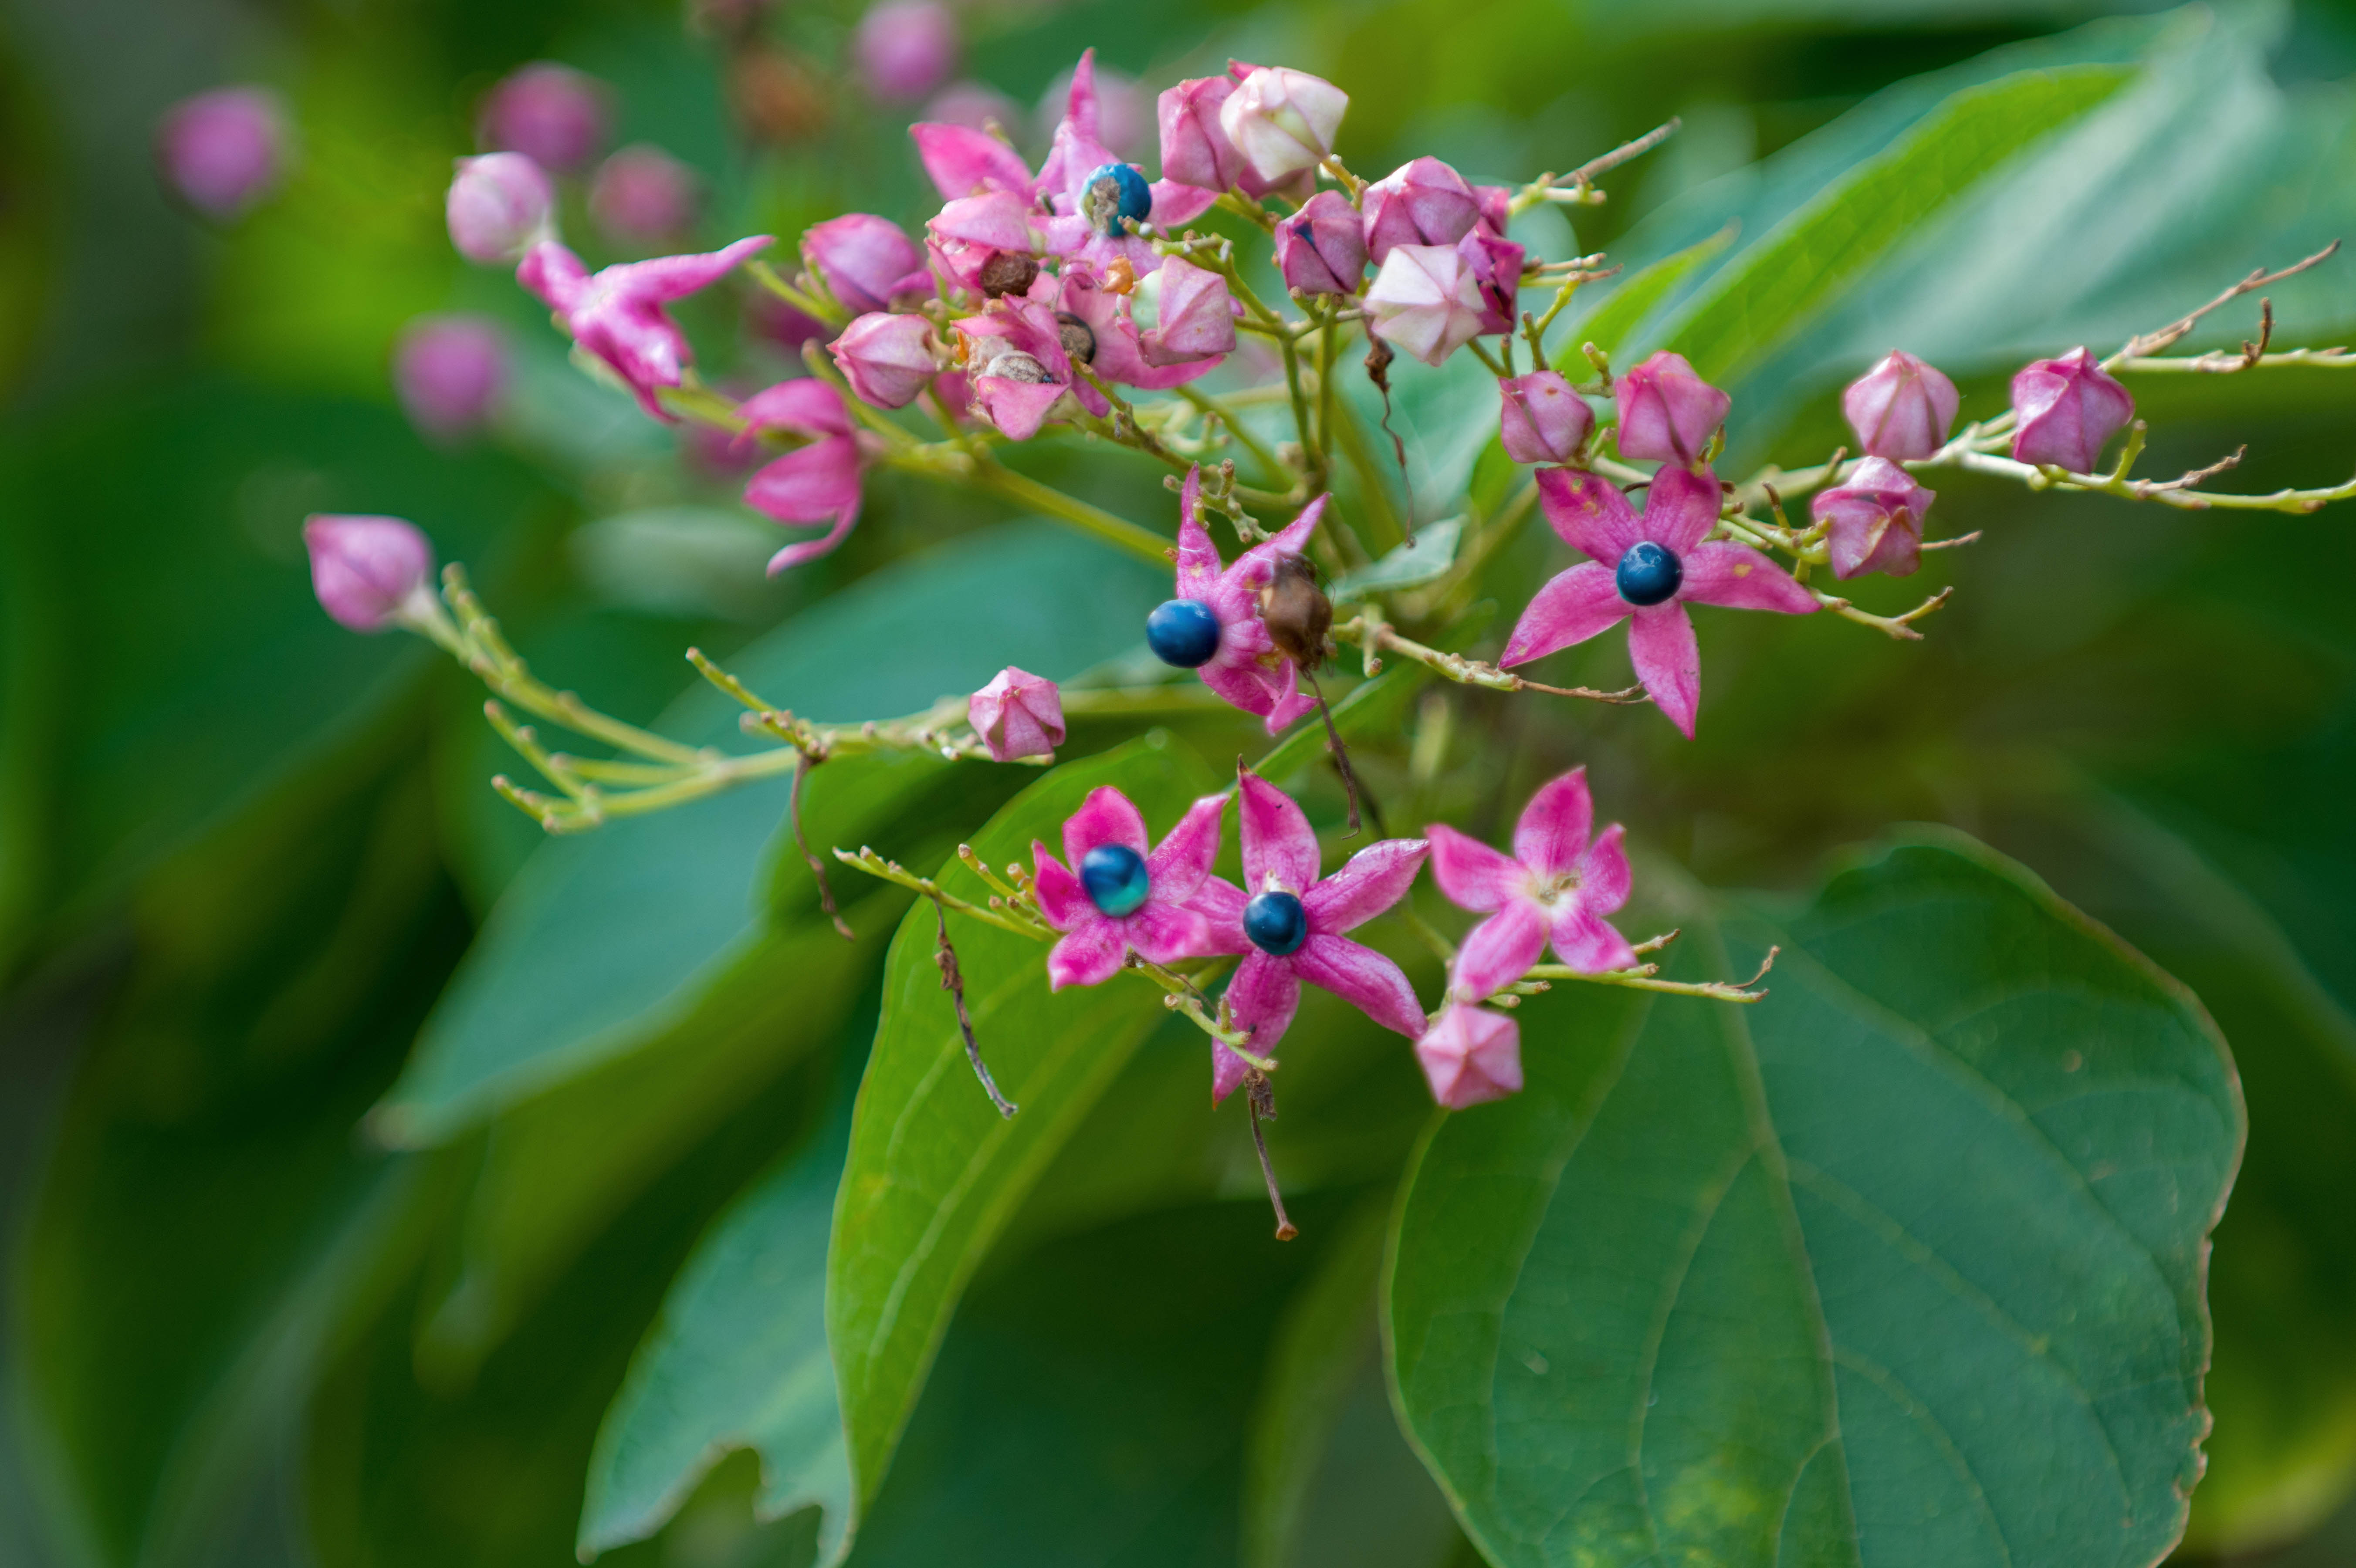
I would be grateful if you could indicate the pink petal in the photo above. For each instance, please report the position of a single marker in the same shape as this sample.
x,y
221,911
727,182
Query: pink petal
x,y
794,555
995,221
1175,204
1364,978
675,277
1263,997
1090,955
1017,408
1584,942
1573,607
1500,950
1371,881
1280,848
818,484
962,161
1603,879
554,273
1468,872
1240,684
1228,1070
1554,825
1256,565
1289,702
1221,905
1668,661
1062,899
1106,816
1740,578
1681,508
1198,558
1589,513
1470,1056
1183,859
1166,933
805,407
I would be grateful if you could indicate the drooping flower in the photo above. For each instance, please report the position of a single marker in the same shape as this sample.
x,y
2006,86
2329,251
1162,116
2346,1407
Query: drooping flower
x,y
1117,896
1423,202
1471,1056
447,371
1556,887
223,151
1876,516
905,48
1197,316
642,195
866,261
365,570
499,206
888,359
1542,419
816,482
1284,121
1667,413
1212,626
618,314
1018,714
2067,408
1902,409
1288,923
551,113
1427,301
1645,570
1322,249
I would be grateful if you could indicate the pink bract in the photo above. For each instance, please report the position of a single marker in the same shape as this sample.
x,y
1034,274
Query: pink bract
x,y
1247,670
1555,888
1163,930
618,314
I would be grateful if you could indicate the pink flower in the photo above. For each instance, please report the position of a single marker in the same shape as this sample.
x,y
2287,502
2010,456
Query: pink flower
x,y
1117,897
865,260
448,370
1471,1055
905,48
1288,924
220,151
817,483
888,359
1900,409
1018,714
1496,267
1555,888
1197,316
551,113
499,206
1427,301
1245,669
1423,202
971,232
618,314
1877,519
367,569
642,195
1020,370
1322,249
1542,419
1666,412
1110,345
1647,569
963,161
1282,121
1195,151
2067,408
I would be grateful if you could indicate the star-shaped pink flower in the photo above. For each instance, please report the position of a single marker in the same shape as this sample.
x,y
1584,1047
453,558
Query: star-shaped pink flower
x,y
1157,924
618,314
1647,570
1287,924
1556,887
1247,670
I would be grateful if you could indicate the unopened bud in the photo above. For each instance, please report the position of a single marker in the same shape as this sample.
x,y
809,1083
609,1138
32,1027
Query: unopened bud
x,y
643,196
1542,419
1420,203
223,151
365,569
1902,409
1876,517
448,370
499,206
1322,249
1017,714
1197,316
865,259
1471,1055
905,48
1283,121
886,359
1667,413
1426,300
551,113
2068,408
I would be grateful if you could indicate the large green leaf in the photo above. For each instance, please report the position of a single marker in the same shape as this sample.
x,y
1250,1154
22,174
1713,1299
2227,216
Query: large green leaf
x,y
934,1170
1904,1265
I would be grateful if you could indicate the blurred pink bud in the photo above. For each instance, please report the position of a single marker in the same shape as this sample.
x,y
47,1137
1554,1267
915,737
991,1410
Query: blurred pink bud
x,y
499,206
1542,419
1426,301
448,370
365,569
551,113
1195,151
220,151
1122,112
1197,319
643,196
905,48
1018,715
1496,266
975,105
2067,408
1496,205
1666,412
1900,409
1877,519
1322,249
865,259
887,358
1283,121
1471,1055
1420,203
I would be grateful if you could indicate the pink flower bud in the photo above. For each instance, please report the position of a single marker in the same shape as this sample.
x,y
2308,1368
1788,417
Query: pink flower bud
x,y
499,206
1496,267
2067,408
1018,715
1666,412
365,569
1420,203
643,196
886,359
1197,316
220,151
1195,151
1900,409
1282,121
448,370
865,259
1322,249
1426,301
1877,519
975,105
1471,1055
551,113
1496,205
905,48
1542,419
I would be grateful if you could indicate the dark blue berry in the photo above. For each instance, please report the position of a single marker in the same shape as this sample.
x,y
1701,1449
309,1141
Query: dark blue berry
x,y
1183,632
1112,193
1276,924
1648,573
1115,879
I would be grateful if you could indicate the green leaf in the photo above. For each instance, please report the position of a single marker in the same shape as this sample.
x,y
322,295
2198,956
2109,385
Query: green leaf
x,y
1423,559
934,1170
1904,1264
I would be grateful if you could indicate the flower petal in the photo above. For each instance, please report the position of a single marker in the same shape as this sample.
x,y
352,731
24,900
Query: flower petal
x,y
1584,941
1183,859
1468,872
1499,950
1228,1070
1061,899
1280,847
1573,607
1166,933
1371,881
805,405
1255,566
1089,955
1740,578
816,484
1589,513
1017,408
1554,826
962,160
794,555
1603,879
1681,508
1668,661
1471,1055
1106,816
674,277
1364,978
1263,997
1198,558
1221,905
1175,204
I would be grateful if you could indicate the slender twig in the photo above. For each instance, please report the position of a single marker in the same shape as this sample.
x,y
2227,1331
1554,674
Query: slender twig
x,y
803,762
1260,1096
954,984
2153,342
1581,180
1368,631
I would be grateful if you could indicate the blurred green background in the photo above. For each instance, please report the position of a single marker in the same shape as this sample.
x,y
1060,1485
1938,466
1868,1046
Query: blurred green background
x,y
242,852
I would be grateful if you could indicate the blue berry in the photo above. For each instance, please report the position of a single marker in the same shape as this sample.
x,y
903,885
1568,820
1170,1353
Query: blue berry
x,y
1276,924
1115,879
1648,573
1183,632
1112,193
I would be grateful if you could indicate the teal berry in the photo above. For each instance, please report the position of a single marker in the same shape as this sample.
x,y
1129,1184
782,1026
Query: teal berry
x,y
1115,879
1115,192
1276,924
1649,573
1183,632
